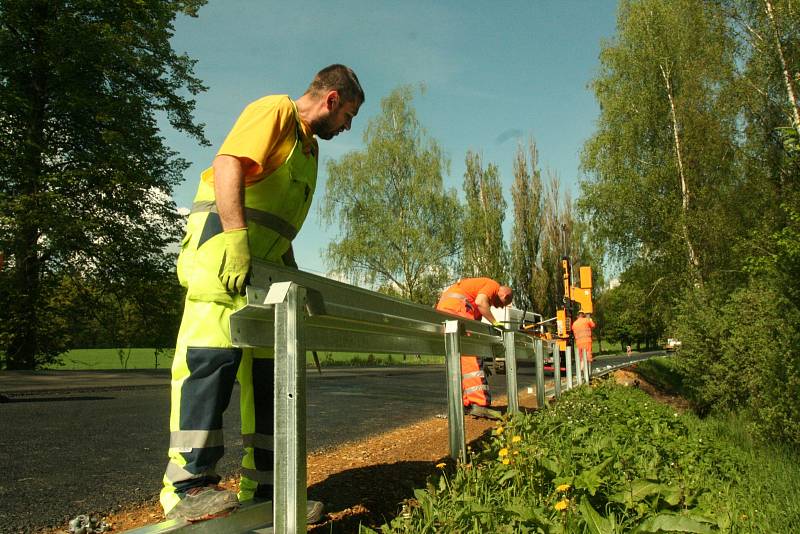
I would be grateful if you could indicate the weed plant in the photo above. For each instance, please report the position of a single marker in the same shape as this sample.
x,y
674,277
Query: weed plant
x,y
604,459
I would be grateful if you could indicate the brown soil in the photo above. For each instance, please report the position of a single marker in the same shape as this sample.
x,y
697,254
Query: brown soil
x,y
367,482
630,378
363,482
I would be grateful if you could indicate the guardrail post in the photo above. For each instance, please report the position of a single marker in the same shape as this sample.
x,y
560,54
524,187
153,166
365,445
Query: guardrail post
x,y
557,369
585,360
509,340
290,408
568,357
455,404
540,399
578,372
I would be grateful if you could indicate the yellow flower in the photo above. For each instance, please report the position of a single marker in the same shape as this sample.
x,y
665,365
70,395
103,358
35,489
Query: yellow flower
x,y
562,504
505,461
503,452
441,465
516,439
499,430
562,488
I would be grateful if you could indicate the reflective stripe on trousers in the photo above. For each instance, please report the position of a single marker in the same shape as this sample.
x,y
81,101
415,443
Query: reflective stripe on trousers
x,y
474,388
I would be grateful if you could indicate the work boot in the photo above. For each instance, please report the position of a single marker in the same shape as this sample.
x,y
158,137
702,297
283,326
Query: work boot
x,y
204,502
484,412
314,509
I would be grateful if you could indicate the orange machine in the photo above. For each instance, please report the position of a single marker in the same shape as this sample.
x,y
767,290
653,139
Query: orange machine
x,y
581,295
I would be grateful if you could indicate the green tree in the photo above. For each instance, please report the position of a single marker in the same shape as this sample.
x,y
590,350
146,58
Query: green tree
x,y
526,195
662,166
484,250
86,178
399,226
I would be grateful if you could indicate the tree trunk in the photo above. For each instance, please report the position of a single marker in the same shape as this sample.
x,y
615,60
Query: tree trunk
x,y
787,76
23,344
693,260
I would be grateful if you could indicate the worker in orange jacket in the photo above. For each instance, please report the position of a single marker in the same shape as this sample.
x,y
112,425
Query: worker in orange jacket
x,y
472,298
582,330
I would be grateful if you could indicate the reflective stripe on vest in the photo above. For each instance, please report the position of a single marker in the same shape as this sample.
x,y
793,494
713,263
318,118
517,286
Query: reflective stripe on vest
x,y
262,218
476,388
454,296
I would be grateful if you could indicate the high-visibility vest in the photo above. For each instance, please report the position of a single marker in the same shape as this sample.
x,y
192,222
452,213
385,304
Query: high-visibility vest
x,y
275,209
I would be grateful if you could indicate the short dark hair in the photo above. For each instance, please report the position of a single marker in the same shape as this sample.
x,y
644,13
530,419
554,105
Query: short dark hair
x,y
339,78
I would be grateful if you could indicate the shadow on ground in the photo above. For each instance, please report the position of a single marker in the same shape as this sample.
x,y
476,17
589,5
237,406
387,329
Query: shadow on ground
x,y
373,495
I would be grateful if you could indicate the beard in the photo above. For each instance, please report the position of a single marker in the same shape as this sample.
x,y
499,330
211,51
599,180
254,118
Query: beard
x,y
323,128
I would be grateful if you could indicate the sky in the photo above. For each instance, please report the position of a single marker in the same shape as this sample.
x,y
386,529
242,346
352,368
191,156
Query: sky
x,y
496,73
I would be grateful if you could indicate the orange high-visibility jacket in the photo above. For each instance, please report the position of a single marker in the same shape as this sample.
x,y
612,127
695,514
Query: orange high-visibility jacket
x,y
459,298
582,329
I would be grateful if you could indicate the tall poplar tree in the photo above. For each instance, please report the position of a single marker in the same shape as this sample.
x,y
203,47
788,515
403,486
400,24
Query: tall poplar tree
x,y
398,224
85,177
526,195
484,250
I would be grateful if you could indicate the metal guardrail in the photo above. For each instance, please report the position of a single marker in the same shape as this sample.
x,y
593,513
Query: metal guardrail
x,y
294,312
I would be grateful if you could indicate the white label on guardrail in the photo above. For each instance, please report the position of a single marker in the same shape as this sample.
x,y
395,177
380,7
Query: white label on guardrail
x,y
277,292
451,327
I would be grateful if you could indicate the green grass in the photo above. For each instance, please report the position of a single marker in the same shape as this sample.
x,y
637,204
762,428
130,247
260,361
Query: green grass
x,y
109,359
144,358
610,459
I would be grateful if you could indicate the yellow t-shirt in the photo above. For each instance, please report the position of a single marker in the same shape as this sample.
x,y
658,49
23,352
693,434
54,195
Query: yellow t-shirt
x,y
262,138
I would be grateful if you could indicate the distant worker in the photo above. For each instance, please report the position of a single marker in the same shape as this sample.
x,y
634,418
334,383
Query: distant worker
x,y
582,330
628,350
249,204
472,298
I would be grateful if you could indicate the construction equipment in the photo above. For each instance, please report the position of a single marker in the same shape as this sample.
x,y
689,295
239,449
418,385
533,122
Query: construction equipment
x,y
571,296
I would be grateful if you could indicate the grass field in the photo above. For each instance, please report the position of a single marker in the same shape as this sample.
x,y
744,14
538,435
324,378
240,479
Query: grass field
x,y
144,358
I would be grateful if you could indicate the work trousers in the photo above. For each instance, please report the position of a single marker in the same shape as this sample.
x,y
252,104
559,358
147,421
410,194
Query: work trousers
x,y
587,348
474,387
203,373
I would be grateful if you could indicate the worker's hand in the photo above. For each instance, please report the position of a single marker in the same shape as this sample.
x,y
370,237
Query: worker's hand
x,y
498,325
235,269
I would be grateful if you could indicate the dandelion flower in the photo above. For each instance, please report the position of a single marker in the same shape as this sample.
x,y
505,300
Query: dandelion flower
x,y
499,430
562,488
441,465
562,504
516,439
503,452
505,461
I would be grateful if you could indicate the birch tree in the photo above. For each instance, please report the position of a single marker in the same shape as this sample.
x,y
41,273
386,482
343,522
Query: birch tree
x,y
398,225
662,164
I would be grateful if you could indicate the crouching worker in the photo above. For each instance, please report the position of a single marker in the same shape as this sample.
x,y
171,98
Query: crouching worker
x,y
250,204
472,298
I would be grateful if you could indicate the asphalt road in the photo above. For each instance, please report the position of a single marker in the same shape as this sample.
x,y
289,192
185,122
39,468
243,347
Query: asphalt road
x,y
94,448
73,446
